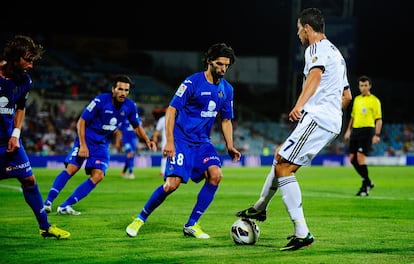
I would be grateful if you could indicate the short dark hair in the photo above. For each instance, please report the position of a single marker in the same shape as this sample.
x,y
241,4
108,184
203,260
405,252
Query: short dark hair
x,y
364,78
314,18
18,46
122,78
219,50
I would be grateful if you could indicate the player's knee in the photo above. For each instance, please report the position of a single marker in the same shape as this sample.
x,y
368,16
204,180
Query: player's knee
x,y
285,168
171,184
28,182
354,161
214,175
215,179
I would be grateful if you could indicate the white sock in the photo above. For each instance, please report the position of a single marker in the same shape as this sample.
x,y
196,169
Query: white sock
x,y
292,198
163,164
268,190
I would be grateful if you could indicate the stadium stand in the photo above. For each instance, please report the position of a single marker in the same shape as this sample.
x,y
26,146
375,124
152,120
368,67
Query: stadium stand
x,y
68,81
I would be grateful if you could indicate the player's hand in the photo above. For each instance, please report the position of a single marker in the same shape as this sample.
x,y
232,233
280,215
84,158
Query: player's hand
x,y
234,154
13,144
83,151
169,150
295,114
152,145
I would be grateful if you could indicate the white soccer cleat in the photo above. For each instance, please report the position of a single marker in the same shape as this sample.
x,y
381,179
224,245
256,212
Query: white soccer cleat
x,y
48,208
67,210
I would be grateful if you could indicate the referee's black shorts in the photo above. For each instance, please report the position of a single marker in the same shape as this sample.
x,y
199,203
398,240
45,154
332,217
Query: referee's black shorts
x,y
360,140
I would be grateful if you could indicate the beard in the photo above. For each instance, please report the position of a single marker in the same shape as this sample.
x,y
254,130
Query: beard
x,y
118,102
217,76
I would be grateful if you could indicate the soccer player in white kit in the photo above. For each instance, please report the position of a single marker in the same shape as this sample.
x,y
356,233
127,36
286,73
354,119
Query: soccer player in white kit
x,y
318,111
160,133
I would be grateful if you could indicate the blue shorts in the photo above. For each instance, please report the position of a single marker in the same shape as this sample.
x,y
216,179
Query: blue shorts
x,y
15,164
98,158
191,161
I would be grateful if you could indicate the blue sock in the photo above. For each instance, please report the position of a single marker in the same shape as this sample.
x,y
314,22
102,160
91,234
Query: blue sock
x,y
204,199
157,197
130,162
57,186
34,200
83,190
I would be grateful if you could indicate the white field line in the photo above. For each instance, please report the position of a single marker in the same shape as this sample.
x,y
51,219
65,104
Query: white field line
x,y
17,188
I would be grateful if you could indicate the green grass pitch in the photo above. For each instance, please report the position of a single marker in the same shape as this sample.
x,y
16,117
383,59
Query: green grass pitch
x,y
347,229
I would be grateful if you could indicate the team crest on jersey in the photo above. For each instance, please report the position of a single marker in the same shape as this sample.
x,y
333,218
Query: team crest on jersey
x,y
181,90
314,59
220,94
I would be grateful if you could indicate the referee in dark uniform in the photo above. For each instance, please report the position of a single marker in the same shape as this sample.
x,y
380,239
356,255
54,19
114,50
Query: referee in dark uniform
x,y
363,130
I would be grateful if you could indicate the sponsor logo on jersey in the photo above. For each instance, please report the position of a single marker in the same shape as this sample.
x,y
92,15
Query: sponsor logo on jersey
x,y
205,160
25,165
3,110
210,113
112,125
4,101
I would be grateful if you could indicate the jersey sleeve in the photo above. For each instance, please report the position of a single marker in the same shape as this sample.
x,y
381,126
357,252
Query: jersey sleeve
x,y
91,109
133,116
182,93
25,86
227,110
378,111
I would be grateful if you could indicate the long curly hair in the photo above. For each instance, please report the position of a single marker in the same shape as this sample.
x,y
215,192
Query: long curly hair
x,y
19,46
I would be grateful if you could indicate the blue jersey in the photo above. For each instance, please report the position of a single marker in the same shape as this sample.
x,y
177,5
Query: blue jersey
x,y
129,137
198,103
102,118
13,95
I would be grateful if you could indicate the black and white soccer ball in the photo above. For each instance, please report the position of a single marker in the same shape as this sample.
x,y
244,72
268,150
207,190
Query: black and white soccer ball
x,y
245,232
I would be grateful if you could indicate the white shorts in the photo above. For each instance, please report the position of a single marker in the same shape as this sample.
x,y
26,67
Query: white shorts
x,y
305,141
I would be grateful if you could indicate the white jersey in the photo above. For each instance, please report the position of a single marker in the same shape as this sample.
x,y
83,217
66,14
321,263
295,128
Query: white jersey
x,y
161,127
325,106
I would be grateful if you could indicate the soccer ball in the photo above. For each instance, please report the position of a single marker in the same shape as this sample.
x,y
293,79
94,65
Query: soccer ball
x,y
244,232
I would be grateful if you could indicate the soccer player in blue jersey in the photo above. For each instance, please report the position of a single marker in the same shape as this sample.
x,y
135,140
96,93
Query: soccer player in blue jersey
x,y
96,127
127,140
190,116
17,58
